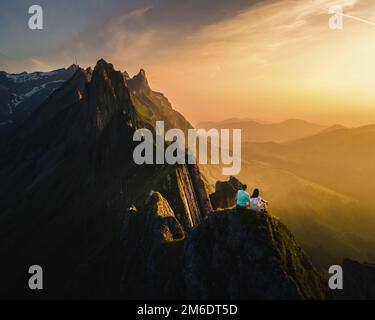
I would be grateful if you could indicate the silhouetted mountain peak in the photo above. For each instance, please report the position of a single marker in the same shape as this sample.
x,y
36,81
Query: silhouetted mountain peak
x,y
139,83
142,73
74,67
109,94
102,64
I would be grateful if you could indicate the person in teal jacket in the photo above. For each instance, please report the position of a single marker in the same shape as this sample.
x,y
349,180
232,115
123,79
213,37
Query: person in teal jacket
x,y
243,198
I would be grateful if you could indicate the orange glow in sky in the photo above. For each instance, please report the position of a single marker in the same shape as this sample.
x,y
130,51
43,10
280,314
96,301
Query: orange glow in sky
x,y
273,62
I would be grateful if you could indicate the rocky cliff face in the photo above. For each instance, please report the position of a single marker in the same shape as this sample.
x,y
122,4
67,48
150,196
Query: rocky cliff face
x,y
68,172
248,256
67,180
153,106
225,193
161,218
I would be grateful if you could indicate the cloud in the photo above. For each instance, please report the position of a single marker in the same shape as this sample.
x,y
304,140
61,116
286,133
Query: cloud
x,y
254,35
137,13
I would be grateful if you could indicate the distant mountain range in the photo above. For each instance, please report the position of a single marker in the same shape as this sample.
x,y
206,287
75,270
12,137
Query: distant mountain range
x,y
22,93
261,131
321,186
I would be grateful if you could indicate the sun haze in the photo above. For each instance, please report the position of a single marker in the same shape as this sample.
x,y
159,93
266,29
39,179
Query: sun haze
x,y
264,59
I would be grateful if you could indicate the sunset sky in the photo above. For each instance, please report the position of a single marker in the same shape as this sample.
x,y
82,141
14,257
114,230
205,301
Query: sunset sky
x,y
213,59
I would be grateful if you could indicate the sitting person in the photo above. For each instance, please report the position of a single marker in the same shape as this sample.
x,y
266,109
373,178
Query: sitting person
x,y
243,198
257,203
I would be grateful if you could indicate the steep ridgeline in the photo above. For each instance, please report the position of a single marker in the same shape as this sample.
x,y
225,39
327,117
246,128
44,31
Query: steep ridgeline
x,y
154,106
68,172
67,178
22,93
228,256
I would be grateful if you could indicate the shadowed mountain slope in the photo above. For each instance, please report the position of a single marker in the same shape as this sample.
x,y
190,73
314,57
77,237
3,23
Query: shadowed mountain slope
x,y
74,202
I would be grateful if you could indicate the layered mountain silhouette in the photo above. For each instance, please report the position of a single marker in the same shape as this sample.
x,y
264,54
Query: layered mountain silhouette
x,y
73,201
260,131
321,187
22,93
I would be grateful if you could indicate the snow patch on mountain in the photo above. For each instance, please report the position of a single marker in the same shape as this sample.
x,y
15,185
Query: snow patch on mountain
x,y
24,77
21,97
33,91
51,82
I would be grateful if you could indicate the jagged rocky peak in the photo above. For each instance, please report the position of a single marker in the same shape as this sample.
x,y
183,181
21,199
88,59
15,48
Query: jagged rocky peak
x,y
109,95
105,71
88,73
126,75
101,63
74,67
142,75
97,99
139,83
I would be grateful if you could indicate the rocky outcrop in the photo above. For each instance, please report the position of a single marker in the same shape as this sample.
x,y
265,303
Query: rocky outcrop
x,y
148,235
248,256
154,106
110,98
139,84
162,219
229,255
225,193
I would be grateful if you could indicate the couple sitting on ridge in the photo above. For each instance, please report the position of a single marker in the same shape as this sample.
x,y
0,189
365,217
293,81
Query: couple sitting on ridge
x,y
255,202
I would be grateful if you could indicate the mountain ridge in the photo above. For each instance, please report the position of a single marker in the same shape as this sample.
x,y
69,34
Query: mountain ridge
x,y
73,200
258,131
21,93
